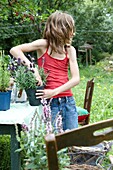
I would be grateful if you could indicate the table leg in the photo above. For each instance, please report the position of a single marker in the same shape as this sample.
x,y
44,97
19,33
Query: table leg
x,y
15,156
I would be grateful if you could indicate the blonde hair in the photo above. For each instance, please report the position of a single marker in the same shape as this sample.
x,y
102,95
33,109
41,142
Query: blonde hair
x,y
59,29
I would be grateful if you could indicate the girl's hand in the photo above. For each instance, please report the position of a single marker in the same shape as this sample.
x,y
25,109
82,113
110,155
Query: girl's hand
x,y
39,81
46,94
38,78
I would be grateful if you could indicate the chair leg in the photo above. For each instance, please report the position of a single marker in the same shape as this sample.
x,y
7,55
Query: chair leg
x,y
87,120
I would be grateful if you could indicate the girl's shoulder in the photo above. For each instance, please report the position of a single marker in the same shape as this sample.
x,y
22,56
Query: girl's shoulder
x,y
40,43
70,51
70,48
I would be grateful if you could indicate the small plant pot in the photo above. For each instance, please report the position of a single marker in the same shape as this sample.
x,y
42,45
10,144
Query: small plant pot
x,y
31,94
5,100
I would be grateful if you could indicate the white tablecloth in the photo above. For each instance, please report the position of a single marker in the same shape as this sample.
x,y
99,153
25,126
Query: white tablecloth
x,y
19,113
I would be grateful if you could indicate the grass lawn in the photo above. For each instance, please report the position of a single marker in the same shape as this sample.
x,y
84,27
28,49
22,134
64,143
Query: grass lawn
x,y
102,101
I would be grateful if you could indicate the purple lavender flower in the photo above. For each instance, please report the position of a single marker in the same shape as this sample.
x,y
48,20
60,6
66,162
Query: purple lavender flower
x,y
44,102
46,110
47,118
49,127
19,61
58,123
24,127
13,67
47,115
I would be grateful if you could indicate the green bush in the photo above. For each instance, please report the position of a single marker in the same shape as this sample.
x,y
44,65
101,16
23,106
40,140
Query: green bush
x,y
98,56
5,152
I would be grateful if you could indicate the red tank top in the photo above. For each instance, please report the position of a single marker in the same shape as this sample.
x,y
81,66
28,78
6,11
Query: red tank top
x,y
57,72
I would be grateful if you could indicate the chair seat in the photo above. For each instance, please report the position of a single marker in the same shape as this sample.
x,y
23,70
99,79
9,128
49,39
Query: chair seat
x,y
82,114
81,111
83,117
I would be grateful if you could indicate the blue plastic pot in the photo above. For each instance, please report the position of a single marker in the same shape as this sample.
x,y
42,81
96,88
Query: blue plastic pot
x,y
5,99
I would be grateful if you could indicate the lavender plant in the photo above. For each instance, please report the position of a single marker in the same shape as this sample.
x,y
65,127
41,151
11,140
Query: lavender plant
x,y
24,76
4,74
32,142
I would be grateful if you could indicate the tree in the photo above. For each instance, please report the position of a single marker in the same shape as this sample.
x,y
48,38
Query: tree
x,y
21,21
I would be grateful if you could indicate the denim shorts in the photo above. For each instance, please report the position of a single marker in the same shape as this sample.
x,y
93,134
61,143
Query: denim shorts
x,y
67,108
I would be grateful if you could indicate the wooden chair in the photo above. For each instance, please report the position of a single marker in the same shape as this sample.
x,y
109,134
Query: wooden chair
x,y
84,119
83,136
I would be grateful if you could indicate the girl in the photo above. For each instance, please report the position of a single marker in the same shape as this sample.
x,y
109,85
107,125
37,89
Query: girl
x,y
55,54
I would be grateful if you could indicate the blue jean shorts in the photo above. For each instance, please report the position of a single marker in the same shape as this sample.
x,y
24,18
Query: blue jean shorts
x,y
67,108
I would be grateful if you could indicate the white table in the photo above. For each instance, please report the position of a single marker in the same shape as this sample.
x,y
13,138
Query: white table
x,y
19,113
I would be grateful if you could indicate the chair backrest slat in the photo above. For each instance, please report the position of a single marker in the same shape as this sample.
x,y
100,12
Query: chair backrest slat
x,y
87,135
87,102
88,95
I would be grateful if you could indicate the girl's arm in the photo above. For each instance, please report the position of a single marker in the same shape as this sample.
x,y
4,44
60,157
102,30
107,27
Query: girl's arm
x,y
18,52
